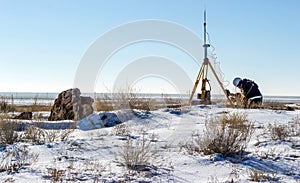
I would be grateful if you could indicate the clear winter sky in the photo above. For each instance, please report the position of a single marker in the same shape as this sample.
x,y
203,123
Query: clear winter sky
x,y
42,42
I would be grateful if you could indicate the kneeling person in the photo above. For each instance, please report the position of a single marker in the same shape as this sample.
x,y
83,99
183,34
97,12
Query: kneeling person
x,y
252,95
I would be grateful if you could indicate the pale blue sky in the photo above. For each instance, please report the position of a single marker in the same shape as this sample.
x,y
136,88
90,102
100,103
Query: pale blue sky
x,y
42,42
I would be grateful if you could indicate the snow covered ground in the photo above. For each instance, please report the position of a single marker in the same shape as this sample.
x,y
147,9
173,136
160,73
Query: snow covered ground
x,y
93,152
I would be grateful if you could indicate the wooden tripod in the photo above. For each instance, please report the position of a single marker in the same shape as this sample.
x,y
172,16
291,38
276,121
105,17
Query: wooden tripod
x,y
203,75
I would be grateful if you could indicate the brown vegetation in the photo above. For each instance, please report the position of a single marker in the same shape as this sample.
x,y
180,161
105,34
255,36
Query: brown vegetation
x,y
284,131
138,154
277,106
227,136
7,133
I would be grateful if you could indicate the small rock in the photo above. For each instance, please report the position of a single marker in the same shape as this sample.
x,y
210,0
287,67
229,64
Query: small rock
x,y
24,115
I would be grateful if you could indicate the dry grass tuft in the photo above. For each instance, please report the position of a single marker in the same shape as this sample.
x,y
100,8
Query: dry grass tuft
x,y
170,102
278,132
234,120
142,104
34,135
122,130
4,105
7,133
56,175
261,176
37,135
16,157
130,99
284,132
227,136
104,104
273,105
35,107
32,108
123,100
137,155
294,127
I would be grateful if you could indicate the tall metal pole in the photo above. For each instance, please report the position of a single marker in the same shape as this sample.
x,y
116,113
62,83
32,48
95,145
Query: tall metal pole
x,y
203,70
205,63
205,45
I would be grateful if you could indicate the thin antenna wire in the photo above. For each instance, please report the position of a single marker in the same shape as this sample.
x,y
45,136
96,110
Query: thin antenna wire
x,y
209,42
214,55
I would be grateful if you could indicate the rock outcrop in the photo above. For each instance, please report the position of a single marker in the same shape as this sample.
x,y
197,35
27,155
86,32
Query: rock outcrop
x,y
24,115
69,105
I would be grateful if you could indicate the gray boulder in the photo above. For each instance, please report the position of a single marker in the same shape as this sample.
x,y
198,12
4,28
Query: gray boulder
x,y
69,105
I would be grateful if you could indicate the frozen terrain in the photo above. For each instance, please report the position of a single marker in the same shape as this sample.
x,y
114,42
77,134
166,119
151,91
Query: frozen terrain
x,y
93,152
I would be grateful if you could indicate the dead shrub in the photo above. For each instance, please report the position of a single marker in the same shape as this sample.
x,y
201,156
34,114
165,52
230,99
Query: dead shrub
x,y
40,136
141,104
273,105
51,135
65,134
76,171
234,120
294,127
122,130
191,147
8,135
9,179
32,108
278,132
34,134
54,135
4,106
132,100
173,102
15,157
104,104
56,175
137,155
261,176
284,131
127,98
120,98
228,136
36,106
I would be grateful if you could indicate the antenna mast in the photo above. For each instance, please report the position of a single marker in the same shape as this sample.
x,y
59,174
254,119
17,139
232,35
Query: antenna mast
x,y
205,93
204,96
205,45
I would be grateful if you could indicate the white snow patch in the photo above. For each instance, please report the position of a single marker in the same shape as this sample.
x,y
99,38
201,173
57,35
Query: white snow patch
x,y
90,154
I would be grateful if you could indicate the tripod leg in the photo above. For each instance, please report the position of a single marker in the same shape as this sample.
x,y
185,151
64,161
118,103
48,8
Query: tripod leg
x,y
220,83
196,83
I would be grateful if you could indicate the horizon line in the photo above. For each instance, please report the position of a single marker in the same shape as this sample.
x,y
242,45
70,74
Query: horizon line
x,y
153,93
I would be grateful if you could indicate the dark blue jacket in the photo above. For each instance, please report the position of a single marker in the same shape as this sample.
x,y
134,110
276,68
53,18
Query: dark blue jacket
x,y
249,88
